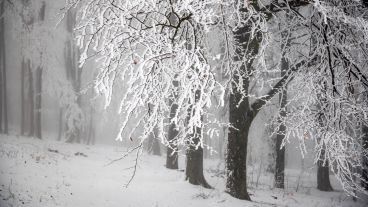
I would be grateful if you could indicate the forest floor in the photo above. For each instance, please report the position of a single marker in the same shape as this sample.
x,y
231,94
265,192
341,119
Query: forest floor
x,y
48,173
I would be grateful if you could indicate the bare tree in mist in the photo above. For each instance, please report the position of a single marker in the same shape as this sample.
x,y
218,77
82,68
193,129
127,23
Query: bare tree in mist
x,y
73,72
31,79
3,76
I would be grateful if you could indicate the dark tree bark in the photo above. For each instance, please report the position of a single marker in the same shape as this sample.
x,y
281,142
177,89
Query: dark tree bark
x,y
242,113
241,117
194,166
172,149
323,174
236,160
280,151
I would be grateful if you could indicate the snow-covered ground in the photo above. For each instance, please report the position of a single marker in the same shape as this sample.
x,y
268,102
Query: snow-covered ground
x,y
47,173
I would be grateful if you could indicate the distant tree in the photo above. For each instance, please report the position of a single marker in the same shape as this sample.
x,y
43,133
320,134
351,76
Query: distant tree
x,y
73,72
28,85
3,70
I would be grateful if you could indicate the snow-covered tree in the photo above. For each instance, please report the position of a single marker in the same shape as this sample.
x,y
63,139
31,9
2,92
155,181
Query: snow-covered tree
x,y
158,49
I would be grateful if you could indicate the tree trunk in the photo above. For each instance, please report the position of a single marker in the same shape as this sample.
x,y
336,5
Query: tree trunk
x,y
280,151
60,128
194,167
153,143
23,110
236,160
3,85
73,72
91,128
38,100
31,100
241,117
172,149
38,85
323,174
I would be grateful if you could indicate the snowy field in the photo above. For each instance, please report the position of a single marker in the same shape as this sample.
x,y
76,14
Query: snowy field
x,y
46,173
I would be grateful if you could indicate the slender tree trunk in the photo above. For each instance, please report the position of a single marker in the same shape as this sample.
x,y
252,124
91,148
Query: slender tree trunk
x,y
1,87
38,100
23,110
38,85
60,128
31,100
323,174
91,127
280,151
73,72
153,143
172,149
3,96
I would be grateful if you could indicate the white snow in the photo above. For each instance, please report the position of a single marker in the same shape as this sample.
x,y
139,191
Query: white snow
x,y
33,174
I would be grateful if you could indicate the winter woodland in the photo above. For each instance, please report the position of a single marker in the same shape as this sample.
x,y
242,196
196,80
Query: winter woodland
x,y
184,103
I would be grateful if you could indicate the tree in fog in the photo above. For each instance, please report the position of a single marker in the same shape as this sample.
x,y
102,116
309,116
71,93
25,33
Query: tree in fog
x,y
3,72
74,77
32,15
